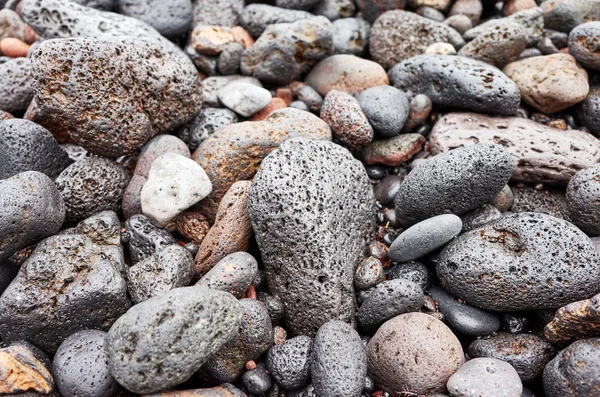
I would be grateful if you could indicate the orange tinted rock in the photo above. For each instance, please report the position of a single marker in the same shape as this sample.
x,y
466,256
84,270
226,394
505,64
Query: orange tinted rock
x,y
21,370
512,6
210,40
37,115
219,391
576,320
241,36
276,103
285,94
5,115
14,48
193,226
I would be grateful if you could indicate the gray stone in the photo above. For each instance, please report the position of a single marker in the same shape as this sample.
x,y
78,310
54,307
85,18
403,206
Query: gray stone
x,y
462,318
456,182
165,270
224,13
309,239
204,124
431,13
297,4
368,273
460,23
338,362
104,228
350,36
257,380
372,9
425,237
308,391
255,18
335,9
80,366
583,195
458,82
15,85
169,18
485,377
161,342
299,105
386,108
11,24
212,85
389,299
144,239
531,19
32,209
230,59
413,271
479,217
274,305
310,97
232,274
498,45
521,262
26,146
106,5
587,112
8,272
289,362
243,98
564,15
583,44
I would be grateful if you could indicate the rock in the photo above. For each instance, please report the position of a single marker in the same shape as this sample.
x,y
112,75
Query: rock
x,y
458,82
348,123
212,85
171,18
144,239
528,354
174,184
504,200
338,362
258,380
512,6
564,15
15,85
521,262
11,24
392,350
389,299
532,20
441,49
298,47
92,185
27,146
425,237
583,43
583,192
498,46
460,23
386,190
69,283
549,83
98,4
80,366
255,18
204,124
309,275
368,273
274,306
420,109
455,182
211,40
224,390
232,274
297,4
310,97
371,9
193,226
289,362
485,377
217,12
14,48
350,36
155,93
230,59
167,269
393,151
231,231
104,228
470,8
574,371
480,217
335,9
23,369
32,209
386,108
161,342
234,153
243,98
413,271
254,337
274,104
8,271
577,320
346,73
586,112
544,154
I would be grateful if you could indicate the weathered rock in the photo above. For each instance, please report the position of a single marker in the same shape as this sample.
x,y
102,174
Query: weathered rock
x,y
521,262
371,9
243,98
479,217
471,8
144,239
583,193
23,370
413,271
349,125
368,273
543,154
532,20
224,390
11,24
302,192
257,380
297,4
230,59
457,82
204,124
393,151
193,226
335,9
217,12
386,108
103,228
232,274
576,320
255,18
161,342
498,46
289,362
564,15
15,85
211,40
586,112
350,36
487,377
169,18
583,44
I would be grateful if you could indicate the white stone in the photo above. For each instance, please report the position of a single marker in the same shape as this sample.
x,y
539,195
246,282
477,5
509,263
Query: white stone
x,y
243,98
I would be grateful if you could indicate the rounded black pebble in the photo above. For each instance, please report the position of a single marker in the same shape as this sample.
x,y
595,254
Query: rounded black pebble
x,y
289,362
258,380
375,172
145,239
386,190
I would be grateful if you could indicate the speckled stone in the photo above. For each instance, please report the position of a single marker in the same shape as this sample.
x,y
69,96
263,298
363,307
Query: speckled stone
x,y
564,15
413,271
583,195
498,46
350,36
348,123
479,217
289,362
232,274
386,108
144,239
576,320
255,18
485,377
393,151
16,91
169,18
532,20
583,44
368,273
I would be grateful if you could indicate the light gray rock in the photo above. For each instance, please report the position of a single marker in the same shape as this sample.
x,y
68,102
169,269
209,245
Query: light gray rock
x,y
232,274
217,12
243,98
350,36
386,108
204,124
485,377
531,19
255,18
583,195
335,9
170,18
564,15
16,91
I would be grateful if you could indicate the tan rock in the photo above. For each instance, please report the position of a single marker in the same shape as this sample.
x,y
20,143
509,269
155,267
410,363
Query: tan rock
x,y
242,36
21,371
14,48
512,6
211,40
576,320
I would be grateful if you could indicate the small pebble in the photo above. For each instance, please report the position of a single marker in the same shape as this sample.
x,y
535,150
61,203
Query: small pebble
x,y
485,377
244,99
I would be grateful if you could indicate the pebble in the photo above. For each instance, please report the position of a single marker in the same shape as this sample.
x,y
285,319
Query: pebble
x,y
289,362
498,46
204,124
338,362
14,48
456,181
274,104
349,125
425,237
80,366
302,194
212,85
211,40
258,380
92,185
217,12
163,271
386,108
564,15
385,191
441,49
24,368
346,73
532,20
460,23
544,155
577,320
485,377
255,18
504,200
581,199
11,24
528,354
420,108
393,151
230,59
575,371
310,97
586,111
583,43
392,350
371,9
550,83
350,36
16,90
297,4
398,35
335,9
368,273
471,8
243,98
145,239
521,262
232,274
431,13
169,18
512,6
413,271
161,342
224,390
44,216
458,82
480,217
274,306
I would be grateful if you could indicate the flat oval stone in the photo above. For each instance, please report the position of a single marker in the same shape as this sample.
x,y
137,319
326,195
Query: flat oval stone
x,y
393,151
485,377
583,195
243,98
498,45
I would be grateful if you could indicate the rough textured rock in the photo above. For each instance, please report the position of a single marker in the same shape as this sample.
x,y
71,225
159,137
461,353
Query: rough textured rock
x,y
338,361
26,146
543,154
243,98
586,112
368,273
547,201
576,320
349,125
386,108
302,191
532,20
129,90
479,217
583,44
24,368
457,82
204,124
393,151
392,350
144,239
335,9
497,46
398,35
487,377
521,262
371,9
44,215
255,18
161,342
456,182
15,89
289,362
350,36
217,12
232,274
564,15
224,390
413,271
169,18
583,193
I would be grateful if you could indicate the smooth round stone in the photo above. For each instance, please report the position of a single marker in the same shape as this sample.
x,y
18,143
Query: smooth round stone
x,y
413,271
308,95
289,362
527,353
462,318
504,200
385,191
299,105
350,36
485,377
386,108
80,366
441,49
243,98
258,380
425,237
479,217
431,13
368,273
232,274
169,18
393,151
376,172
583,200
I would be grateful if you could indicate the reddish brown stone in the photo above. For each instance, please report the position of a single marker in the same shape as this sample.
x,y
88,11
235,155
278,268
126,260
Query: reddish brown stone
x,y
512,6
219,391
393,151
276,103
14,48
420,108
193,226
348,123
285,94
279,335
21,371
241,36
576,320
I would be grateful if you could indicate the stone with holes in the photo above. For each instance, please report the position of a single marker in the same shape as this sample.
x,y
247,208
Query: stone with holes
x,y
169,18
232,274
583,195
15,85
488,377
255,18
289,362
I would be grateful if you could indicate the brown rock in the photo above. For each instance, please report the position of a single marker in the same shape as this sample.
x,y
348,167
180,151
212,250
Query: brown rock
x,y
285,94
393,151
576,320
14,48
231,231
348,123
193,226
420,108
550,83
276,103
241,35
21,370
346,73
512,6
234,153
39,116
211,40
544,154
5,115
219,391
